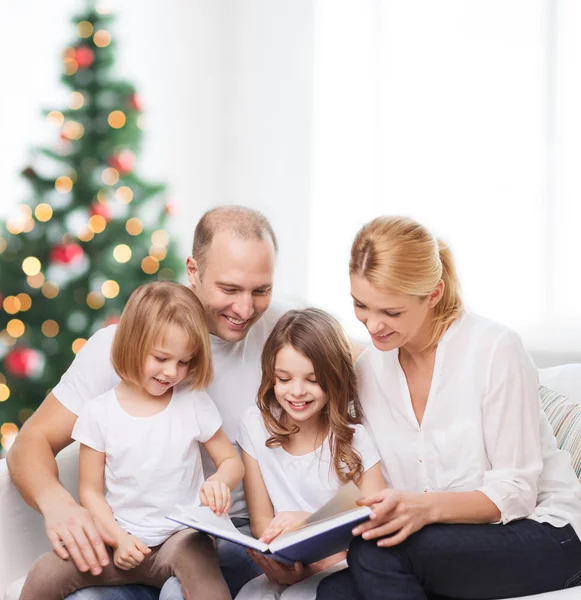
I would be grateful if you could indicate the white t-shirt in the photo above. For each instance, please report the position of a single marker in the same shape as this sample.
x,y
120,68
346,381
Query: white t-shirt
x,y
298,482
237,374
152,463
483,427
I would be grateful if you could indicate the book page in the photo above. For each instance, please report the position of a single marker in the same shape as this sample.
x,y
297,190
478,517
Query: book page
x,y
343,501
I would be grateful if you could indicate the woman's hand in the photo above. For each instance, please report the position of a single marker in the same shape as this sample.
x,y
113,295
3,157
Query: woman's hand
x,y
282,522
278,572
396,515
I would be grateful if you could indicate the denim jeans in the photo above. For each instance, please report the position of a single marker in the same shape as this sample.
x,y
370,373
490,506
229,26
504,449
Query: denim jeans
x,y
237,567
472,562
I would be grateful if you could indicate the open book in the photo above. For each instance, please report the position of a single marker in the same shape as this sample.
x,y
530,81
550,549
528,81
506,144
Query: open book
x,y
326,532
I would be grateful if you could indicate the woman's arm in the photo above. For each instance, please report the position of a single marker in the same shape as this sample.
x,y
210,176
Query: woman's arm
x,y
92,492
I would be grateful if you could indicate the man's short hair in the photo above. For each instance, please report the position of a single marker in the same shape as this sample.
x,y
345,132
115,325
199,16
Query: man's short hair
x,y
246,223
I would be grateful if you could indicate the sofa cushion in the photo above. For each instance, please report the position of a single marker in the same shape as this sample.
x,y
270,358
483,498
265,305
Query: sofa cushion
x,y
565,418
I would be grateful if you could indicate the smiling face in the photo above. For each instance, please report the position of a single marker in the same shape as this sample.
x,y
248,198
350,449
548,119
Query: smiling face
x,y
393,320
235,286
167,362
296,387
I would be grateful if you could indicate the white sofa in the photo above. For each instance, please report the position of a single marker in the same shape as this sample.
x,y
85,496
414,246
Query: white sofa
x,y
22,537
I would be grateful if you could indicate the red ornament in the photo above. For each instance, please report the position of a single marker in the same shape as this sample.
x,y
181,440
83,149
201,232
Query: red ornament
x,y
102,209
22,362
134,102
65,254
84,57
123,161
111,320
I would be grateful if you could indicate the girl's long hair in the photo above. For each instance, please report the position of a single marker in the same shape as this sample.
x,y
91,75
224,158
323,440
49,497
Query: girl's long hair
x,y
319,337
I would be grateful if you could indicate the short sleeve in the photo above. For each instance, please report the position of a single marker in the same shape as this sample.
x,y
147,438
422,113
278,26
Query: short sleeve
x,y
90,427
244,436
90,374
207,415
364,445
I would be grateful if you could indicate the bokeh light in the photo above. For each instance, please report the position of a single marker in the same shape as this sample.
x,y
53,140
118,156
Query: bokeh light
x,y
73,130
15,328
50,328
11,305
63,184
78,344
160,238
110,289
97,224
124,194
85,29
25,301
50,290
150,265
102,38
95,300
4,392
110,176
31,265
117,119
76,100
35,281
43,212
122,253
55,118
134,226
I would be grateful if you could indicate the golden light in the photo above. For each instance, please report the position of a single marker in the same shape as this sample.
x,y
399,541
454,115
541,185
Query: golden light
x,y
76,100
85,29
11,305
110,289
73,130
8,429
50,290
78,344
25,302
63,184
150,265
15,328
158,252
35,281
86,235
117,119
2,245
124,194
50,328
4,392
28,225
71,66
97,224
110,176
160,238
102,38
55,118
134,226
102,196
43,212
31,265
122,253
95,300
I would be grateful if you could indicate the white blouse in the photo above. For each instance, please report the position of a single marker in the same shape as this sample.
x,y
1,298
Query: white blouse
x,y
483,427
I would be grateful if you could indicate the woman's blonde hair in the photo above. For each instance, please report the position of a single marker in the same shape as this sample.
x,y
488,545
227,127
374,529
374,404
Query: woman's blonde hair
x,y
319,337
149,311
400,255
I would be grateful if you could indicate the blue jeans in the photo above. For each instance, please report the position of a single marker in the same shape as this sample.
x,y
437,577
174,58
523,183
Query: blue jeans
x,y
472,562
237,567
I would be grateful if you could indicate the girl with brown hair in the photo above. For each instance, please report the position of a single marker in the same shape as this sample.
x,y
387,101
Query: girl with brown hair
x,y
303,440
140,455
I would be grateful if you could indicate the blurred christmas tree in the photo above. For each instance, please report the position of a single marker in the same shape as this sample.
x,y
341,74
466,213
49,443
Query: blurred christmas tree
x,y
91,232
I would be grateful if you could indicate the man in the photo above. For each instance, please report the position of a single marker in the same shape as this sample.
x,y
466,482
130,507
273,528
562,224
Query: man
x,y
231,271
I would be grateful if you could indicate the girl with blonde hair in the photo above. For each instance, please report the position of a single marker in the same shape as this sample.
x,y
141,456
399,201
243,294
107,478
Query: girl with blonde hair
x,y
481,503
302,442
140,455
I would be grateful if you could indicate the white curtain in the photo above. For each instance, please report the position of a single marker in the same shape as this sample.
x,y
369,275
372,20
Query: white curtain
x,y
467,117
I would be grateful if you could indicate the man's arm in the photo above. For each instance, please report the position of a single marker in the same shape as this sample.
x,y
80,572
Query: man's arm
x,y
33,469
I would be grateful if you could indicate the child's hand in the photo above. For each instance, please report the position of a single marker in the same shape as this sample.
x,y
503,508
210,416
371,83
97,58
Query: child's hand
x,y
216,495
282,522
130,552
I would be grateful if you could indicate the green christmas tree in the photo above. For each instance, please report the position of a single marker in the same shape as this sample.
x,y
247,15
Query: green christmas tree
x,y
89,234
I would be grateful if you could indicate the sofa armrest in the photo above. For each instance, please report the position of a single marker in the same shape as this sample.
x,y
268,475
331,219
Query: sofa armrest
x,y
22,535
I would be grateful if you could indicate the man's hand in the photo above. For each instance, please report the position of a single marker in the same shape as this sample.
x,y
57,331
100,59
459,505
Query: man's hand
x,y
130,552
278,572
282,522
74,534
216,495
395,514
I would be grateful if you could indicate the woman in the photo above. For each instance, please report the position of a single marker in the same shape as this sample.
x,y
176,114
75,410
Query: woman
x,y
481,503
